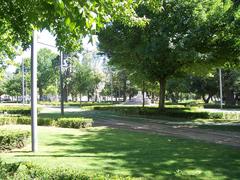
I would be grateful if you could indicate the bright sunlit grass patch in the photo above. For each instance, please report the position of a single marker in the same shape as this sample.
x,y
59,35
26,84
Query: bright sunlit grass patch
x,y
129,153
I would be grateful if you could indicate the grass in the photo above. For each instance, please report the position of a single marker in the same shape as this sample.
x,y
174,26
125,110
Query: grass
x,y
216,124
130,153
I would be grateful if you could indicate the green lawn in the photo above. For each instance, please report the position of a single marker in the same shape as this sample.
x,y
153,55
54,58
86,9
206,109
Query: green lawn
x,y
130,153
101,115
201,123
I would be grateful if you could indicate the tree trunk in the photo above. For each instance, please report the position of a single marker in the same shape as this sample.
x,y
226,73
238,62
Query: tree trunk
x,y
40,93
72,97
206,100
129,97
162,92
124,90
88,96
80,99
152,99
143,95
65,92
229,98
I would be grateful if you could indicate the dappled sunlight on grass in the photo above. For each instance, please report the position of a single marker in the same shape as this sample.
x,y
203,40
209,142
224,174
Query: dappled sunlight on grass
x,y
128,153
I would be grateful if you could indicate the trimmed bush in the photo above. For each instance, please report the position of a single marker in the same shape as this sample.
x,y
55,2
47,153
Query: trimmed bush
x,y
24,110
46,122
11,139
26,171
8,120
217,106
74,122
60,122
23,120
14,120
173,112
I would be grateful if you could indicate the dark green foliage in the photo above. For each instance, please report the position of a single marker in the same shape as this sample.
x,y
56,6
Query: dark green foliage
x,y
11,139
47,70
217,106
24,110
26,171
183,36
68,20
176,112
74,122
23,120
77,103
47,121
8,120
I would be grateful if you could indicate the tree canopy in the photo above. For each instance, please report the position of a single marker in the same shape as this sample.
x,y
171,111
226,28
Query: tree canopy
x,y
47,71
67,20
172,41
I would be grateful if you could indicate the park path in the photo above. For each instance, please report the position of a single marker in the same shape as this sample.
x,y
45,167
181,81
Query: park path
x,y
212,136
158,127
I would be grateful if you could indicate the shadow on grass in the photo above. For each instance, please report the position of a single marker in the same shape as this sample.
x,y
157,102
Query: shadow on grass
x,y
150,155
130,114
106,115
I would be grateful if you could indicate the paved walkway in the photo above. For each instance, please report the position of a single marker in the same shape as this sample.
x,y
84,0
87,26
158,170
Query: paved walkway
x,y
159,127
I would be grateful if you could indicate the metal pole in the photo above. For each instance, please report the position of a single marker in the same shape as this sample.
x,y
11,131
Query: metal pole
x,y
34,90
23,85
61,83
220,84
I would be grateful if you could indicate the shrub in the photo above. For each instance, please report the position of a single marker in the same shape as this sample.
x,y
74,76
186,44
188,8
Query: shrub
x,y
15,120
24,110
173,112
23,120
217,106
46,122
11,139
25,171
8,120
74,122
66,122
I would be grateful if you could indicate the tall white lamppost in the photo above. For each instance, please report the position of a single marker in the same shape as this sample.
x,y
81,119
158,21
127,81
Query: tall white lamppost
x,y
34,91
23,83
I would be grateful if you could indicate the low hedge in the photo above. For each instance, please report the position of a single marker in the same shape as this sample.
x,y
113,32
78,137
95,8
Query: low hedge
x,y
26,171
8,120
173,112
11,139
59,122
24,110
218,106
74,122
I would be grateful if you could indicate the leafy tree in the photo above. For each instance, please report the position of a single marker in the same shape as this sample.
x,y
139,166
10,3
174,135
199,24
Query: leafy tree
x,y
8,47
51,90
13,85
206,87
68,20
2,89
93,85
176,86
46,70
231,85
70,65
168,44
84,80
